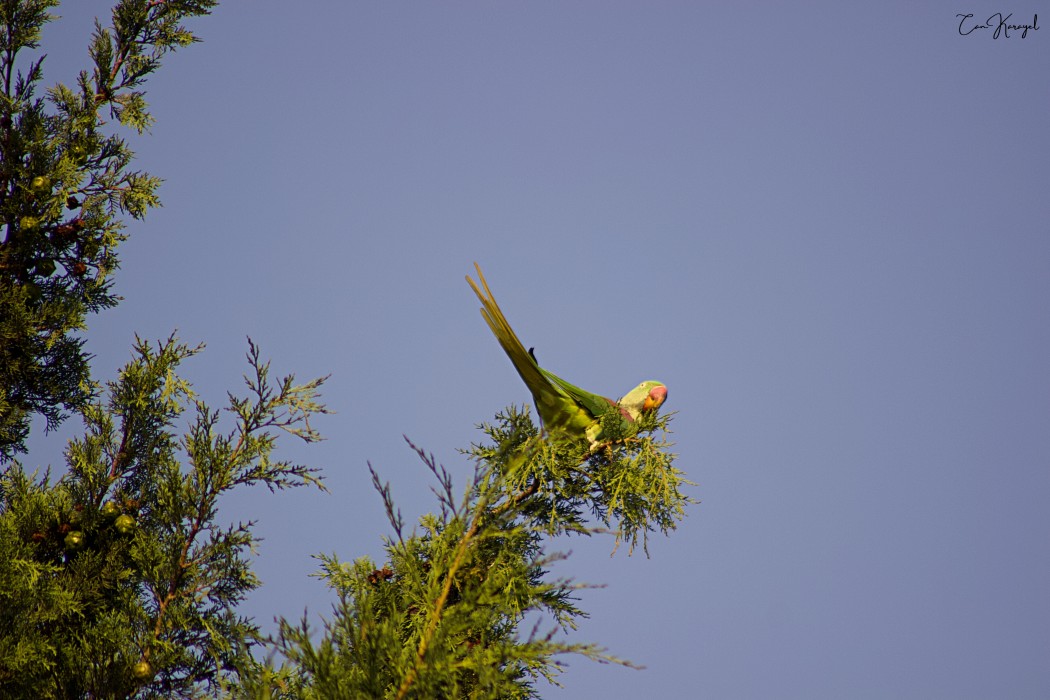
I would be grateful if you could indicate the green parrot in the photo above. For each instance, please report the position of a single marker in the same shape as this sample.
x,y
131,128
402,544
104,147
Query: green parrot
x,y
565,409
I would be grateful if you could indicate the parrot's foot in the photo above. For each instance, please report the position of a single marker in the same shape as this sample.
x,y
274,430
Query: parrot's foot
x,y
608,445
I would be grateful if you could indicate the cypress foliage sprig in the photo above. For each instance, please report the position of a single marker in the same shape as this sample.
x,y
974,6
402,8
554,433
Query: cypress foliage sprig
x,y
66,184
447,614
119,580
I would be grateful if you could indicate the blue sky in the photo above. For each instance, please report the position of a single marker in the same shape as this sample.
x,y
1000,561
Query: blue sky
x,y
824,227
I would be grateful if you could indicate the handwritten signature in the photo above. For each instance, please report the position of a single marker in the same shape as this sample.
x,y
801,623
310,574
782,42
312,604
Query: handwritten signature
x,y
998,22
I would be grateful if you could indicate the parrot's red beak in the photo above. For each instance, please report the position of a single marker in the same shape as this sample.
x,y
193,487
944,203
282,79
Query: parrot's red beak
x,y
655,399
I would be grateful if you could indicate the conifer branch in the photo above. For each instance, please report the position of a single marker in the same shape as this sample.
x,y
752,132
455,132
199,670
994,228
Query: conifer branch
x,y
439,605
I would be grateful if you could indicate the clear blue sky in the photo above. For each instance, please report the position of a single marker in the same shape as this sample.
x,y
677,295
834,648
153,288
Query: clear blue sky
x,y
824,226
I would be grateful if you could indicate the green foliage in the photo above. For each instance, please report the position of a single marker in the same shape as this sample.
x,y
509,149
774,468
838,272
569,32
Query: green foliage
x,y
65,183
443,616
628,482
118,580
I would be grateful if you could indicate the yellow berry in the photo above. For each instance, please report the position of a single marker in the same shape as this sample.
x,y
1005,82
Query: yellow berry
x,y
125,524
142,670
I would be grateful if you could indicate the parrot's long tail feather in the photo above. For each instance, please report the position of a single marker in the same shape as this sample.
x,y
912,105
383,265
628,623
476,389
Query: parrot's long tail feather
x,y
538,384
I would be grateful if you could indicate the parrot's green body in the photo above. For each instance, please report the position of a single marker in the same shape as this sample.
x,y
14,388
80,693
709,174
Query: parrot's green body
x,y
567,411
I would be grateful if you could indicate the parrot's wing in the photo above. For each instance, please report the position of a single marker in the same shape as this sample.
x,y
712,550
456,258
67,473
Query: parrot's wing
x,y
596,405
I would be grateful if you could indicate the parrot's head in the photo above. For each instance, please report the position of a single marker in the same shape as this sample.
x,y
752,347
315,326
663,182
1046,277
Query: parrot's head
x,y
655,398
647,396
